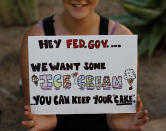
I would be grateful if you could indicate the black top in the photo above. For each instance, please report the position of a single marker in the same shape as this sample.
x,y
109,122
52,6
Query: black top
x,y
85,122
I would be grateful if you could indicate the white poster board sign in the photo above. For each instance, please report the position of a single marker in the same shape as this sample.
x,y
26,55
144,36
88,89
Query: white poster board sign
x,y
83,74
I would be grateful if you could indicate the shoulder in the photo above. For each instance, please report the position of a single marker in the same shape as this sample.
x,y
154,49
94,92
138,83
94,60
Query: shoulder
x,y
120,29
35,30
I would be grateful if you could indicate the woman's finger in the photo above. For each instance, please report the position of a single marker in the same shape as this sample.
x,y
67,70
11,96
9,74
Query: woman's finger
x,y
28,124
142,114
27,108
139,104
28,115
141,122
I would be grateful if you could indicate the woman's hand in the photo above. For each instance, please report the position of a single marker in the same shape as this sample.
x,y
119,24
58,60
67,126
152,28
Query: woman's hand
x,y
129,122
39,122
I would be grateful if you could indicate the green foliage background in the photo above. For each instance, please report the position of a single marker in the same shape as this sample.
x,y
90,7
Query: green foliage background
x,y
21,12
147,18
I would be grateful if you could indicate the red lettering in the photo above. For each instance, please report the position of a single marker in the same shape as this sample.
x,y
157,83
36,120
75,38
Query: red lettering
x,y
68,43
91,44
82,43
104,43
75,43
97,44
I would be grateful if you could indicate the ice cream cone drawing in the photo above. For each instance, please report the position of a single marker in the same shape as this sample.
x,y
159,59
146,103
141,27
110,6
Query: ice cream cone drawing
x,y
35,80
130,76
130,81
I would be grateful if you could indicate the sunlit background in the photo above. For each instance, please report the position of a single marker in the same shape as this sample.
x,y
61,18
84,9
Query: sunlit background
x,y
147,18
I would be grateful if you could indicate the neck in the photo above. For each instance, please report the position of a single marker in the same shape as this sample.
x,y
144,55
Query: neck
x,y
80,26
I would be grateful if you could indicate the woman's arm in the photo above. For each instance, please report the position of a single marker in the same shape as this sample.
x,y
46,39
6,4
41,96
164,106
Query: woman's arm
x,y
35,122
36,30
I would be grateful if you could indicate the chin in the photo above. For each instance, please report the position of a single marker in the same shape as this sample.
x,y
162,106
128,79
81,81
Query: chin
x,y
79,15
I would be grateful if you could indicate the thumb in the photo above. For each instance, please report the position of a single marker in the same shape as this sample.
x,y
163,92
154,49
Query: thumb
x,y
139,104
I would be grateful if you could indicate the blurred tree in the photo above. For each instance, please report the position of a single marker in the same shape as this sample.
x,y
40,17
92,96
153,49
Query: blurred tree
x,y
21,12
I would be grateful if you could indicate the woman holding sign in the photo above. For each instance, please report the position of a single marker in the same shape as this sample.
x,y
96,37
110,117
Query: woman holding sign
x,y
79,18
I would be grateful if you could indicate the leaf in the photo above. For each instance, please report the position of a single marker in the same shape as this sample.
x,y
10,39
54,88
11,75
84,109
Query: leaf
x,y
145,13
5,12
152,39
163,17
143,46
26,11
129,20
156,35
